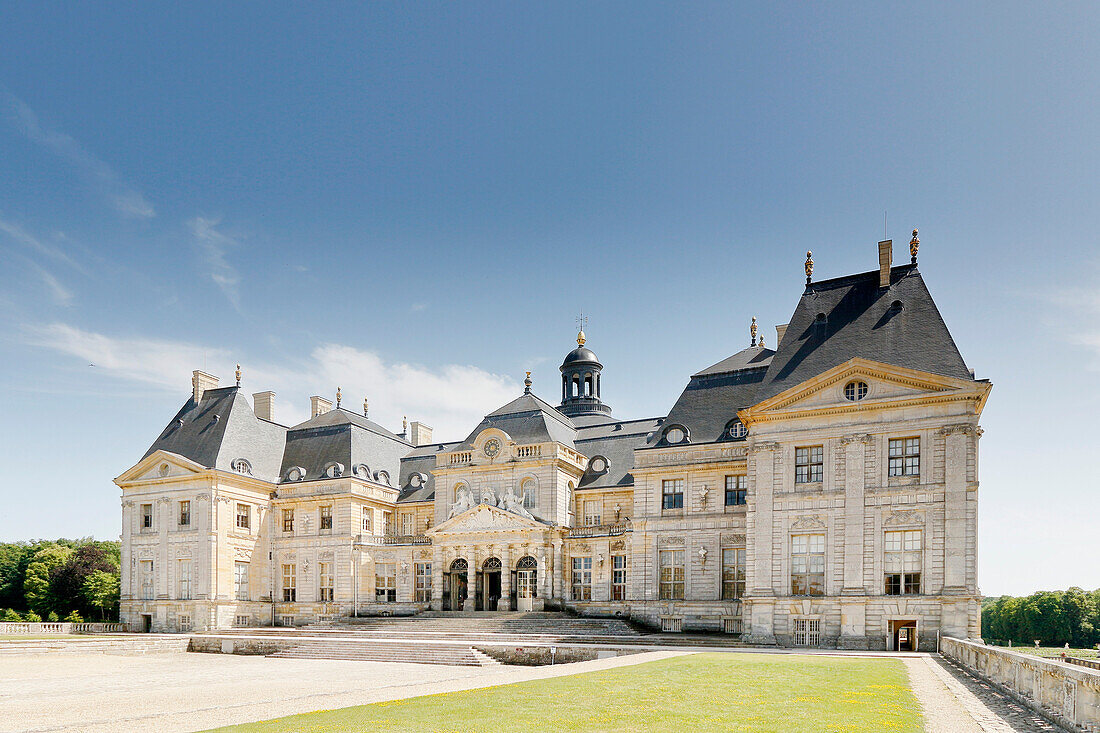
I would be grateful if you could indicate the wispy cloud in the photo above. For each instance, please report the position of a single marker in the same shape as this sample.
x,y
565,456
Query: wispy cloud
x,y
1079,315
418,307
29,241
124,199
214,246
452,397
32,247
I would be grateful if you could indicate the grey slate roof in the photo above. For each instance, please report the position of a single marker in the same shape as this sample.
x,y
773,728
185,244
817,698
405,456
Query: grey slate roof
x,y
616,442
221,428
527,419
420,460
859,320
343,437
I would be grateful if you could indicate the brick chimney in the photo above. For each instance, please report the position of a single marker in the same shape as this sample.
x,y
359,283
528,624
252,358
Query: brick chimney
x,y
318,406
201,382
885,255
264,405
419,433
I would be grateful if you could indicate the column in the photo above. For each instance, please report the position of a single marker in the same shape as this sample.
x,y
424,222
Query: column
x,y
437,577
505,602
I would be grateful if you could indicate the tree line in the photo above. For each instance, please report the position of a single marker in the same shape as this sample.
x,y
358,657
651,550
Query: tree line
x,y
52,580
1055,618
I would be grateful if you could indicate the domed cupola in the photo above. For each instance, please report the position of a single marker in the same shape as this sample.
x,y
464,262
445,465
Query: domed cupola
x,y
580,382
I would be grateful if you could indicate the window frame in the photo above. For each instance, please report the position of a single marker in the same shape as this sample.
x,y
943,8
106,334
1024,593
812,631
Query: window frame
x,y
738,492
367,520
246,515
671,585
290,582
620,566
592,519
803,579
422,572
288,520
809,464
147,520
324,522
733,574
183,579
581,578
903,561
241,590
184,516
906,462
148,580
326,585
672,500
385,583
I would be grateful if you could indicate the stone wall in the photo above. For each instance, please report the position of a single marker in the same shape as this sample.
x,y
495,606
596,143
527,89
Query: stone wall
x,y
1067,694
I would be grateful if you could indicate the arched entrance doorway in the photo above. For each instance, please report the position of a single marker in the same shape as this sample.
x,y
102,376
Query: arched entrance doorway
x,y
454,585
525,584
487,592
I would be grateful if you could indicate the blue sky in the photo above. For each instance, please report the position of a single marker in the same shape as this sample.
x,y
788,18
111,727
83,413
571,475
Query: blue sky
x,y
413,201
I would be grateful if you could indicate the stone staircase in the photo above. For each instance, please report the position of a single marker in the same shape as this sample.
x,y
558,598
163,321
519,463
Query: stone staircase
x,y
378,650
543,626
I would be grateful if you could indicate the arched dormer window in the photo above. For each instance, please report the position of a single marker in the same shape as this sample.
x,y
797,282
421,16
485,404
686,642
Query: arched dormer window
x,y
382,477
677,435
361,470
241,466
334,470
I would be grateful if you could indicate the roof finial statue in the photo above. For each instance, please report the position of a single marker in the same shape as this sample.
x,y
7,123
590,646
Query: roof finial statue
x,y
404,424
339,396
809,266
366,407
527,384
762,343
238,375
752,331
582,321
914,245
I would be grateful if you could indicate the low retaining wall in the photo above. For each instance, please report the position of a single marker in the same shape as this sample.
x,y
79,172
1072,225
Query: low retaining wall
x,y
1066,693
537,656
221,644
131,644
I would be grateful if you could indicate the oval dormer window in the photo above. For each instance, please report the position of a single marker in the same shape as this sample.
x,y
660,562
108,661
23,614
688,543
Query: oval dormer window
x,y
297,473
855,391
334,470
416,480
598,464
675,435
242,466
362,470
736,430
382,477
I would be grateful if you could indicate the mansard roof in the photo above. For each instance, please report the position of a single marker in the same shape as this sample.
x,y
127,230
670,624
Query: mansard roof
x,y
420,460
220,428
616,443
344,437
528,419
834,321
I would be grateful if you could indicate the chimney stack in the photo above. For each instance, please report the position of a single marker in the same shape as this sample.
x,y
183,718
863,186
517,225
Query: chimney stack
x,y
779,331
264,405
318,406
419,433
201,382
885,256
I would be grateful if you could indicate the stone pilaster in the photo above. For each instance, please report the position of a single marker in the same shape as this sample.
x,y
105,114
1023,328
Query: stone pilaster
x,y
163,508
855,447
760,600
957,443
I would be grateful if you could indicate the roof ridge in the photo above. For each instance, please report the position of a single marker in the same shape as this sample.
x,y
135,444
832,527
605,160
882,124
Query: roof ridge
x,y
856,276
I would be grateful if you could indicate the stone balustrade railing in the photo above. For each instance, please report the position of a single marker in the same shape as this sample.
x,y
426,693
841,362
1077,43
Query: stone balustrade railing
x,y
601,530
376,540
462,458
1066,693
529,451
60,627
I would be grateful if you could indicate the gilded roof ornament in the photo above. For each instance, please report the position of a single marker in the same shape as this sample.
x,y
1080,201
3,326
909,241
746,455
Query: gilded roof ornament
x,y
238,375
366,407
762,346
752,331
527,384
339,396
914,245
581,338
404,424
809,266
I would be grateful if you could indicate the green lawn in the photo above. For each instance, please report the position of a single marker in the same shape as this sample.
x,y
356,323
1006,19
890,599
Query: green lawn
x,y
745,692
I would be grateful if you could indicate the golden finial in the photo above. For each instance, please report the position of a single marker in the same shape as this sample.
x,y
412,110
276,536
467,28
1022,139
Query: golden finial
x,y
762,343
527,384
752,331
914,245
339,396
582,321
809,266
581,338
366,407
238,375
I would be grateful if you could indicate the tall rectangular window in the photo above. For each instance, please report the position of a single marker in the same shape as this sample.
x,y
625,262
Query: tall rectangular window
x,y
240,581
905,456
387,523
423,582
244,516
618,577
529,489
582,578
183,580
671,575
147,591
903,560
809,463
592,512
407,523
733,573
290,583
385,582
326,518
808,565
735,490
324,574
185,513
146,517
672,493
367,520
288,520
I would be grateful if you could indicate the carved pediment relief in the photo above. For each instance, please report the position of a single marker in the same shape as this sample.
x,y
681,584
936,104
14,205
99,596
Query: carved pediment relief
x,y
904,517
732,540
159,466
809,521
483,518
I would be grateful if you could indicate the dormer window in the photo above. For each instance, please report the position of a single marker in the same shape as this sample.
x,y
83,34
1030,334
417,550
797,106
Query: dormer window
x,y
297,473
334,470
242,466
362,470
416,480
382,477
855,390
675,435
736,430
598,464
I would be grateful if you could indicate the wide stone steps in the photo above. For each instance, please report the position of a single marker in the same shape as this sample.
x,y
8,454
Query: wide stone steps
x,y
525,625
387,651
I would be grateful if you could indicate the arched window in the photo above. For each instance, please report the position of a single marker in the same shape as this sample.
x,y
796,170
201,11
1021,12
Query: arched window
x,y
576,386
572,501
459,487
588,385
529,490
527,563
491,564
242,466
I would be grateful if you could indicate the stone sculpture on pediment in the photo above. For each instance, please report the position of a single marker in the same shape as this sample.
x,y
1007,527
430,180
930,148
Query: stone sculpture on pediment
x,y
464,503
512,503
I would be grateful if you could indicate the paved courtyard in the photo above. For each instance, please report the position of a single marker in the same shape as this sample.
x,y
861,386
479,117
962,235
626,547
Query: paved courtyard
x,y
96,693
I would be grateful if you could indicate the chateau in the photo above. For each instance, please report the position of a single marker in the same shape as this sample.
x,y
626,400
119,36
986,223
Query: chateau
x,y
821,493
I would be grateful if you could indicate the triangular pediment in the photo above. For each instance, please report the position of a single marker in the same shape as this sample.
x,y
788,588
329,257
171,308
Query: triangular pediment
x,y
483,518
158,466
887,386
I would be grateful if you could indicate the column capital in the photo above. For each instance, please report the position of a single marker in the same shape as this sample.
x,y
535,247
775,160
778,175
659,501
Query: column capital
x,y
963,428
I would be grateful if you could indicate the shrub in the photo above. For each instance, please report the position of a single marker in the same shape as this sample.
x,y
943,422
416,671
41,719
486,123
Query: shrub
x,y
11,616
74,618
32,617
53,618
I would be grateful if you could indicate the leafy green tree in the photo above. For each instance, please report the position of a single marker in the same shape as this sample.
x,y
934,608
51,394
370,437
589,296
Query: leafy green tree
x,y
74,618
11,616
67,581
101,589
53,618
36,585
32,617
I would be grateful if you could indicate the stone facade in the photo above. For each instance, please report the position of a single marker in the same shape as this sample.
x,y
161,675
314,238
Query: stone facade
x,y
835,508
